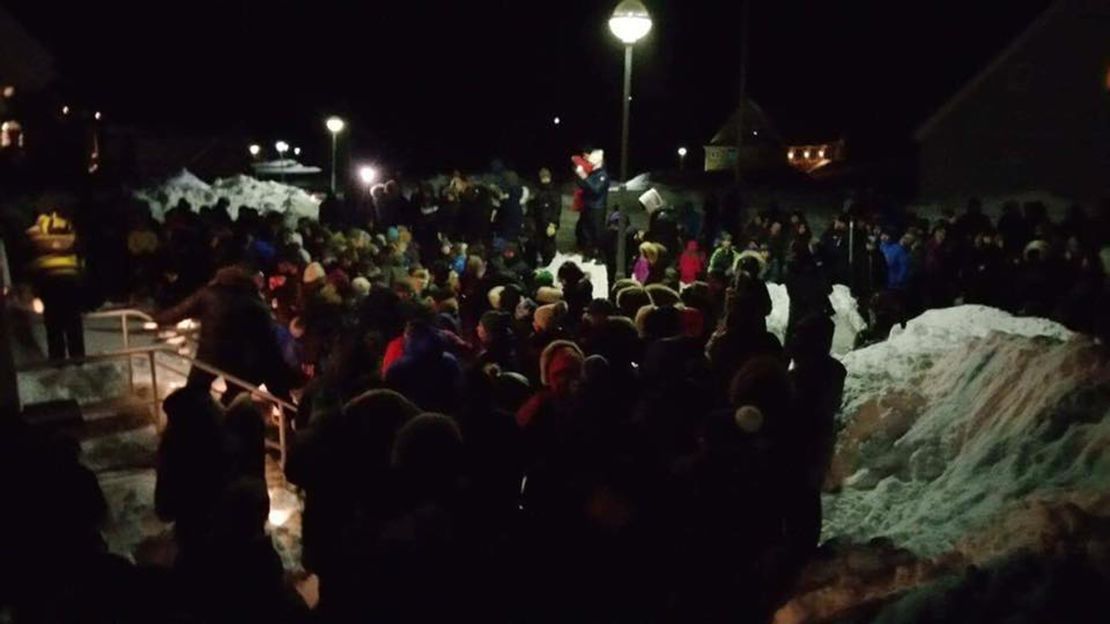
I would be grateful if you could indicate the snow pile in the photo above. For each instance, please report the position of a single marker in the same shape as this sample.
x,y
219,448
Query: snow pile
x,y
240,191
965,418
599,275
847,318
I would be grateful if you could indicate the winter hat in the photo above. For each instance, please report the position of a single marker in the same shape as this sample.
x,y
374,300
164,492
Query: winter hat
x,y
549,316
662,296
596,158
428,446
560,364
548,294
543,277
762,382
494,297
495,323
601,307
631,299
314,272
393,234
361,286
297,239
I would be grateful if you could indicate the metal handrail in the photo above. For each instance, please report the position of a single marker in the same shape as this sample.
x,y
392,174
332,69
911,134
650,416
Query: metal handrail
x,y
151,351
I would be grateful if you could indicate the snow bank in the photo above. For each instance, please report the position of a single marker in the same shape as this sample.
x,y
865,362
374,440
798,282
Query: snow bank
x,y
599,275
960,420
847,318
240,191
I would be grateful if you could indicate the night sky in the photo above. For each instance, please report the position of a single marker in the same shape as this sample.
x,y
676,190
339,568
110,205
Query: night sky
x,y
429,85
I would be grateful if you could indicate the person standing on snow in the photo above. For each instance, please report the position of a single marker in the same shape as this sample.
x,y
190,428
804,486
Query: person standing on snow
x,y
595,195
546,209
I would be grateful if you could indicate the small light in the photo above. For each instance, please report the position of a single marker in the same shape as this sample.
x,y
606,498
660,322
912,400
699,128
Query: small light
x,y
187,325
281,147
682,152
790,155
255,149
96,116
37,306
296,151
65,110
821,153
805,154
367,174
558,121
755,132
9,91
150,326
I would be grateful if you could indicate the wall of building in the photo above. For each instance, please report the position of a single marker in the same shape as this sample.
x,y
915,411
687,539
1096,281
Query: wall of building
x,y
1040,120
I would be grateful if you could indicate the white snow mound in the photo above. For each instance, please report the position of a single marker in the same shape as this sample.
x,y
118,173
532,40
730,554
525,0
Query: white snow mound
x,y
960,421
847,318
266,196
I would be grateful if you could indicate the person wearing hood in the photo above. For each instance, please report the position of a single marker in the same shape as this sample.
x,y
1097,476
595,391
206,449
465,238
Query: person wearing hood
x,y
546,209
236,332
510,214
426,373
691,264
807,286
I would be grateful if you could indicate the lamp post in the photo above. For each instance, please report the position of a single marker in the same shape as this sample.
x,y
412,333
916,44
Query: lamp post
x,y
682,158
335,125
630,22
255,149
282,147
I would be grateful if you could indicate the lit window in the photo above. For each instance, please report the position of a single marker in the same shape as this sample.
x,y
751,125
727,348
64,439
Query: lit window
x,y
11,134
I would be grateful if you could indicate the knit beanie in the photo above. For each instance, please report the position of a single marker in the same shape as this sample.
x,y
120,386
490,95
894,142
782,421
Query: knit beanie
x,y
361,286
548,316
560,360
314,272
548,294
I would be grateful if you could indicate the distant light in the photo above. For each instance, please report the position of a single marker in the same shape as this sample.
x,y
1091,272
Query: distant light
x,y
37,306
96,116
367,174
9,91
65,110
296,151
187,325
335,124
255,149
630,21
805,154
150,326
682,152
176,341
281,147
558,121
790,155
821,153
755,132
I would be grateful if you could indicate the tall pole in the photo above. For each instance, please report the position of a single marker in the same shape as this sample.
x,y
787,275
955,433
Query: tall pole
x,y
334,141
743,85
626,106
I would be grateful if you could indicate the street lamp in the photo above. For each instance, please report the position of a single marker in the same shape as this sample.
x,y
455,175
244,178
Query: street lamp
x,y
296,151
281,147
335,125
630,23
682,158
367,175
255,149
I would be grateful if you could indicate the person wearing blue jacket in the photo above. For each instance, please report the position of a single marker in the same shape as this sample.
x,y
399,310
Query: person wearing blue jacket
x,y
595,196
897,262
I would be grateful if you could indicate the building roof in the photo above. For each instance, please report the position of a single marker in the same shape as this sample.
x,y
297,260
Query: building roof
x,y
754,119
1045,18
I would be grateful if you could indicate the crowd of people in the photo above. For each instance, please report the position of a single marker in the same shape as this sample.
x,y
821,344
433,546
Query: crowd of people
x,y
478,437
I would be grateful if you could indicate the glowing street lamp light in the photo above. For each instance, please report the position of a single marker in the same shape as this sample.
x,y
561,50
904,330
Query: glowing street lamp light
x,y
296,151
630,22
682,158
335,125
367,175
281,147
255,149
558,121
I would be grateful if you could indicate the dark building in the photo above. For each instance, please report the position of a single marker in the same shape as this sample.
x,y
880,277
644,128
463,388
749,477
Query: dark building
x,y
1036,119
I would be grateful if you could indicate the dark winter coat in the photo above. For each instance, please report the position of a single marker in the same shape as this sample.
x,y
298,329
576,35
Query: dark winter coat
x,y
546,207
595,190
236,332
